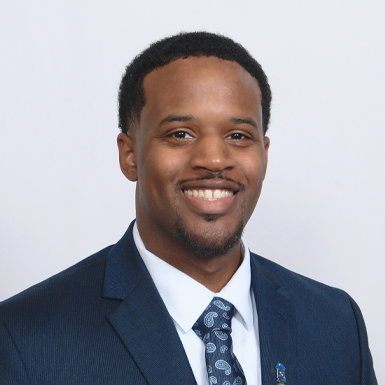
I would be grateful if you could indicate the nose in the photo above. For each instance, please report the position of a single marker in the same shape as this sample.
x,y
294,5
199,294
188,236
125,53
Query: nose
x,y
212,153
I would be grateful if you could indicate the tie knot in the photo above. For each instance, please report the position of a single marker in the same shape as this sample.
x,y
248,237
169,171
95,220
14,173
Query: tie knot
x,y
215,318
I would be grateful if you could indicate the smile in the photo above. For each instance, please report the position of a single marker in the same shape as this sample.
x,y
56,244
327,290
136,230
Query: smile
x,y
209,194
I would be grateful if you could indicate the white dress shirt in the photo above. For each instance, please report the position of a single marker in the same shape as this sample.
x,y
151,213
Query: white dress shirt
x,y
186,299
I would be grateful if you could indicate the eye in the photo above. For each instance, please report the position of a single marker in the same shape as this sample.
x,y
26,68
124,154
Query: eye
x,y
181,135
238,136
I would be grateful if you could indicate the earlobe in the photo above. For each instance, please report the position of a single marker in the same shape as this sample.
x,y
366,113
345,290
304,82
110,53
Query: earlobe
x,y
127,156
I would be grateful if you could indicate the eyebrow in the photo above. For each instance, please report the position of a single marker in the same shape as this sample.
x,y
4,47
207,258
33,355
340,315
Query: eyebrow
x,y
176,118
187,118
243,121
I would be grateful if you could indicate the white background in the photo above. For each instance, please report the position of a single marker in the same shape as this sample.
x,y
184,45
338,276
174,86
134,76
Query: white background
x,y
322,210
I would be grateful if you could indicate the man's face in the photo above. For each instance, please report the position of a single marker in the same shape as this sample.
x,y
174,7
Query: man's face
x,y
198,154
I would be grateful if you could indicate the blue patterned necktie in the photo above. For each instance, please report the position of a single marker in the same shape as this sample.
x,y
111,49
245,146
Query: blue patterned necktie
x,y
214,328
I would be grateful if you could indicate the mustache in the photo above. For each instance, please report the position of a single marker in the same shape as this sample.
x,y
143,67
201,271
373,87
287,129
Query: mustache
x,y
209,176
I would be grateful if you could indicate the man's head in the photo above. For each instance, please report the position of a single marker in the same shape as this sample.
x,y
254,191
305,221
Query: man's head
x,y
131,95
198,151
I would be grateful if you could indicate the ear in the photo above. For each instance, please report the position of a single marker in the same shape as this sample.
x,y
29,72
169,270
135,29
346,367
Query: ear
x,y
266,144
127,156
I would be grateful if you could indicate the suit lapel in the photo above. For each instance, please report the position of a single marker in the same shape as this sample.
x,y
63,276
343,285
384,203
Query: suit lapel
x,y
148,332
277,326
142,320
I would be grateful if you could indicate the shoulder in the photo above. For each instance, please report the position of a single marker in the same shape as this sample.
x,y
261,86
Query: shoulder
x,y
308,295
287,279
74,285
327,319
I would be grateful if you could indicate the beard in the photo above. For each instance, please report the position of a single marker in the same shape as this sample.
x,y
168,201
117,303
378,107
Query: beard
x,y
206,249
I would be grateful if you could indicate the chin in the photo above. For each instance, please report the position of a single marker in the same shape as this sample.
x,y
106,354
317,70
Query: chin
x,y
210,244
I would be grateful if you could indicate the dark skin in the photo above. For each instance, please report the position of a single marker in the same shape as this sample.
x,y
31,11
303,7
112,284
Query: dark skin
x,y
200,132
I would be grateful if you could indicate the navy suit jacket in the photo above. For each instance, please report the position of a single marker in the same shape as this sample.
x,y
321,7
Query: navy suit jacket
x,y
103,321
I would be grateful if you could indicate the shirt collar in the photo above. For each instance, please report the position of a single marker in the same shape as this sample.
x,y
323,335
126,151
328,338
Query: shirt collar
x,y
186,299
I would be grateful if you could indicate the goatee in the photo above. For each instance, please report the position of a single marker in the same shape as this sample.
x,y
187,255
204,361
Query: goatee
x,y
204,249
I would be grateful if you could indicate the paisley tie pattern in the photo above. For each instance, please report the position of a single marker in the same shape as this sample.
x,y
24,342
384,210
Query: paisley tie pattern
x,y
214,328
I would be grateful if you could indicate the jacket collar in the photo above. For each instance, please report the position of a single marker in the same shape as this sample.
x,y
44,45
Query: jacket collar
x,y
276,323
141,320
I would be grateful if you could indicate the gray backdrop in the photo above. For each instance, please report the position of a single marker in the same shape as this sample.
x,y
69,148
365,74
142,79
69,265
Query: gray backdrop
x,y
321,213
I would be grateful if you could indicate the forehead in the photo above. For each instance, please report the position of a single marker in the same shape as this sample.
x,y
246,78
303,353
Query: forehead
x,y
201,81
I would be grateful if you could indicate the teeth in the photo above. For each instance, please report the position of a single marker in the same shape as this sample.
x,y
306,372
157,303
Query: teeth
x,y
209,195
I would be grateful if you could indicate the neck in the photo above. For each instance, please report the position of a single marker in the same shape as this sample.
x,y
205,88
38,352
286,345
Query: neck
x,y
213,273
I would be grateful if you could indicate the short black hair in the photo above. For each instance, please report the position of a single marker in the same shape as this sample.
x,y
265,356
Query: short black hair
x,y
183,45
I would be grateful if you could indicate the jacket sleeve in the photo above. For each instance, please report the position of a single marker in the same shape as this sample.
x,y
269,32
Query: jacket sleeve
x,y
368,376
12,369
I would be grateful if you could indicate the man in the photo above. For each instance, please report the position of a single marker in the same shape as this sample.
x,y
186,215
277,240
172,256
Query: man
x,y
180,299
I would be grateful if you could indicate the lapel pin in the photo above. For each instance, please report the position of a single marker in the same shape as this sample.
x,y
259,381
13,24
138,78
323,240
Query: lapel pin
x,y
281,378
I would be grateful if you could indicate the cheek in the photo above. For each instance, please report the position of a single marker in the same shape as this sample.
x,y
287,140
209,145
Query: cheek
x,y
252,167
253,170
162,169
